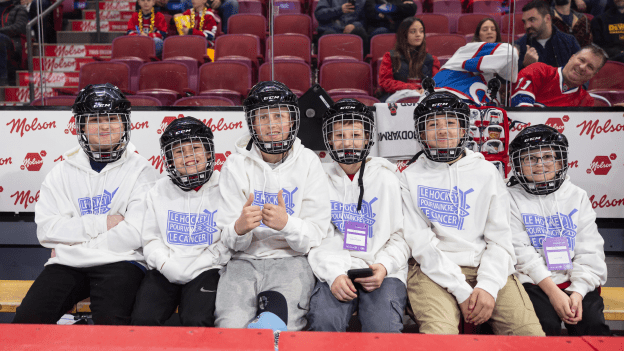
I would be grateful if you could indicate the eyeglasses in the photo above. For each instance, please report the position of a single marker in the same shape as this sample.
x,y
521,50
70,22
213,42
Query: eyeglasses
x,y
534,160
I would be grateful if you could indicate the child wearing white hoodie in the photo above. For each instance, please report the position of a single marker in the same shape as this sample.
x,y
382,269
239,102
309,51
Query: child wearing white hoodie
x,y
181,241
90,212
367,231
456,221
550,214
274,209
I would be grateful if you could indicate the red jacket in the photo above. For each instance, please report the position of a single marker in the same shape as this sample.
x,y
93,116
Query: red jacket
x,y
209,30
388,82
160,25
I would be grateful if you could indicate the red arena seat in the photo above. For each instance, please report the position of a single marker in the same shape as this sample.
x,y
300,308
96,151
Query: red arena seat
x,y
293,23
610,76
204,101
116,73
290,46
347,77
340,46
231,80
165,81
295,74
143,100
435,23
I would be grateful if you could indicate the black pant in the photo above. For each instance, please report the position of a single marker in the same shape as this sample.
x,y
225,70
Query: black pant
x,y
157,299
593,322
112,288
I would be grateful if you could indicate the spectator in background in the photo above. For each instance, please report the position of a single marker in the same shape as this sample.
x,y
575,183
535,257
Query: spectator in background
x,y
342,16
546,86
13,20
224,8
543,42
595,7
404,67
149,23
608,31
384,16
571,22
203,20
487,31
48,24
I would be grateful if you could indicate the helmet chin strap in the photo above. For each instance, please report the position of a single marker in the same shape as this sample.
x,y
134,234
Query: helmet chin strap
x,y
249,144
361,185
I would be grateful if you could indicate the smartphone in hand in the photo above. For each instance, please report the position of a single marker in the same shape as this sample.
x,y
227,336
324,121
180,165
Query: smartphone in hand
x,y
359,273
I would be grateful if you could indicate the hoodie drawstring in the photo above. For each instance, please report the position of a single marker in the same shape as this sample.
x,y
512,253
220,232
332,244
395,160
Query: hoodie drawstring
x,y
361,185
188,203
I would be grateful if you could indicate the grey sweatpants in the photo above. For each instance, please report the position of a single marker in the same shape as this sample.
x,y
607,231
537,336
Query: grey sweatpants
x,y
244,279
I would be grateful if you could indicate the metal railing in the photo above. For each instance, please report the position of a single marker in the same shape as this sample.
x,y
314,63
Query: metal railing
x,y
31,23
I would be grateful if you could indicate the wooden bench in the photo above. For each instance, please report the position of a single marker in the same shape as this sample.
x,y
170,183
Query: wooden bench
x,y
614,303
13,291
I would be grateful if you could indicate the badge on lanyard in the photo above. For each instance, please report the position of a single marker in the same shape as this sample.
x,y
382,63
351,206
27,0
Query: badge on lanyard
x,y
557,254
355,236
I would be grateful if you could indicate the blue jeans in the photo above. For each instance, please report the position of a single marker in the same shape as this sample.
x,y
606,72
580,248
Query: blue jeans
x,y
227,9
380,311
6,46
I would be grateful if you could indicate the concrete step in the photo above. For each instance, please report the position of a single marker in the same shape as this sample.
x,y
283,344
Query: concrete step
x,y
51,79
60,64
21,95
107,15
72,37
105,26
75,50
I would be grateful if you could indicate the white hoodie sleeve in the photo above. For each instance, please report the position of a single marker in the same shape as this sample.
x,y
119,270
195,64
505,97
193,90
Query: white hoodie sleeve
x,y
529,261
232,188
395,252
330,260
498,260
56,223
126,236
154,248
311,224
589,268
423,242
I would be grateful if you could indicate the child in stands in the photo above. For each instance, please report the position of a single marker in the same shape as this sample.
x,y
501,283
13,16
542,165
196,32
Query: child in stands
x,y
90,212
181,241
561,260
147,22
203,21
367,231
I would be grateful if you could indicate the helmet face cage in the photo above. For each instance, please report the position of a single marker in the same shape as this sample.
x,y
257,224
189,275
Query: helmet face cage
x,y
540,169
273,128
348,137
103,136
189,162
450,131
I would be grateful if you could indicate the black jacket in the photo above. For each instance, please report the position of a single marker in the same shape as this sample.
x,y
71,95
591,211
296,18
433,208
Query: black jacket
x,y
13,22
390,21
607,30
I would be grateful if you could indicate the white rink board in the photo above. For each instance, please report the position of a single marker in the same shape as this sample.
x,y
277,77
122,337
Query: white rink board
x,y
596,148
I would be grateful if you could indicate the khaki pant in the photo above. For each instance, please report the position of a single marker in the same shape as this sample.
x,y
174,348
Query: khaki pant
x,y
437,311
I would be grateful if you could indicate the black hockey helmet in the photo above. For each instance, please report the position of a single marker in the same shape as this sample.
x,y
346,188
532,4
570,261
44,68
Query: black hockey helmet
x,y
347,112
442,105
530,148
181,130
107,104
271,94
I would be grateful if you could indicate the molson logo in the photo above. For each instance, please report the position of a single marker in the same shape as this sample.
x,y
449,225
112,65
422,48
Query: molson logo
x,y
401,165
220,160
20,125
592,128
70,50
24,198
605,202
165,123
5,161
157,162
557,123
220,125
33,161
601,165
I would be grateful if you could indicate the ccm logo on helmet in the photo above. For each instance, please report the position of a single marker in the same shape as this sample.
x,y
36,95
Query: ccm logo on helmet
x,y
347,108
182,131
100,104
533,138
440,104
270,97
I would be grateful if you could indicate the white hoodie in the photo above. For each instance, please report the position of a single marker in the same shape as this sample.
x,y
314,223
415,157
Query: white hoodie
x,y
568,205
305,192
444,236
65,219
380,210
179,230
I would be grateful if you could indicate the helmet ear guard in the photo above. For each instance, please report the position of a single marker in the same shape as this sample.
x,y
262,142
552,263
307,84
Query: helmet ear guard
x,y
349,114
193,131
103,102
539,140
269,96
